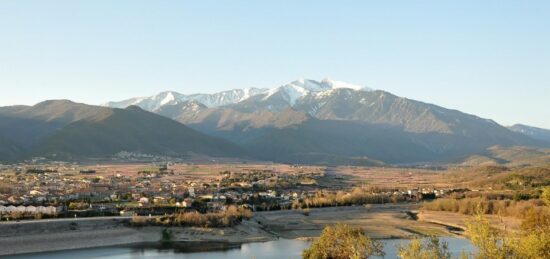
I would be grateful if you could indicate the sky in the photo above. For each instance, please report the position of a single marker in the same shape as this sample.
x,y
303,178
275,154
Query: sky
x,y
488,58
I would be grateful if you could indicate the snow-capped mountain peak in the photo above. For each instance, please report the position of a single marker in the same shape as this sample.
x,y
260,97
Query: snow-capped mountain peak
x,y
303,87
339,84
167,97
155,102
289,93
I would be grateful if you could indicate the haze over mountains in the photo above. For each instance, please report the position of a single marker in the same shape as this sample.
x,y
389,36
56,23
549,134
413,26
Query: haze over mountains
x,y
305,121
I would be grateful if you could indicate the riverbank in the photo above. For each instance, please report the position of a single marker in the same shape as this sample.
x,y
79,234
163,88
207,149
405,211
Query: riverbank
x,y
457,221
65,234
382,221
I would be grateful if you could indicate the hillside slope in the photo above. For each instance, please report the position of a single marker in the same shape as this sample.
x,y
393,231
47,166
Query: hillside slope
x,y
67,130
533,132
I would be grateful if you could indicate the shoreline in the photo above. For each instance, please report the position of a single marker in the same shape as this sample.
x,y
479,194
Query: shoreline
x,y
56,235
381,221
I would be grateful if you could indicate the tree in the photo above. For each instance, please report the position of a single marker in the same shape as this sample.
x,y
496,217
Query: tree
x,y
491,243
431,248
533,240
343,242
545,196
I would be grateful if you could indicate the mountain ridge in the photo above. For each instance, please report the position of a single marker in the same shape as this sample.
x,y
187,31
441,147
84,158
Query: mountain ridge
x,y
261,122
304,121
534,132
64,129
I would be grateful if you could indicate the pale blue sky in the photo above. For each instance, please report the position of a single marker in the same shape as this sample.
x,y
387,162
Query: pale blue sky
x,y
489,58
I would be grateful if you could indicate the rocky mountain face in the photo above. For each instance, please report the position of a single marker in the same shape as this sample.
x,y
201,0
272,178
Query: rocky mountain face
x,y
330,121
66,130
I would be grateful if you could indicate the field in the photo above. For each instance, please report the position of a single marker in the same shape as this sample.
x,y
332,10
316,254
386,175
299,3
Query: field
x,y
186,172
343,177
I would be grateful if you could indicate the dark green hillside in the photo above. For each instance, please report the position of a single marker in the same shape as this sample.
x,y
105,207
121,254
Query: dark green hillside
x,y
8,150
317,139
64,129
58,111
133,130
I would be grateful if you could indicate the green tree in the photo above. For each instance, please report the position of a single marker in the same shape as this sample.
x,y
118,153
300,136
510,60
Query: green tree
x,y
343,242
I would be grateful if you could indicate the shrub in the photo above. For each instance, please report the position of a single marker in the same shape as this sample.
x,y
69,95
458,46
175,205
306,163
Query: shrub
x,y
531,242
232,216
430,248
545,196
342,242
167,235
470,206
491,242
358,196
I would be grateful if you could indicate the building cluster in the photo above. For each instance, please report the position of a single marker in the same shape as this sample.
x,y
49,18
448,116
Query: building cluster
x,y
45,210
66,190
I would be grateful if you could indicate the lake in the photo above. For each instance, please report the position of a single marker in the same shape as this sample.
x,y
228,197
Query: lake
x,y
282,248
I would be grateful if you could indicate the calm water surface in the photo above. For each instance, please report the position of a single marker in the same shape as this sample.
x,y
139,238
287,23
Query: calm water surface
x,y
283,248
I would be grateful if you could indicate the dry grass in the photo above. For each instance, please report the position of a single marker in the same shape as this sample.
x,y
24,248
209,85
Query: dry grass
x,y
470,206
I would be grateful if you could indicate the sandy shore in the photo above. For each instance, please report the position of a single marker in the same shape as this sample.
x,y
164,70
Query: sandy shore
x,y
378,221
458,221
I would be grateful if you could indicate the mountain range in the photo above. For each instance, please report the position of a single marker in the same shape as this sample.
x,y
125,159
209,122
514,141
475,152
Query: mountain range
x,y
61,129
319,121
304,121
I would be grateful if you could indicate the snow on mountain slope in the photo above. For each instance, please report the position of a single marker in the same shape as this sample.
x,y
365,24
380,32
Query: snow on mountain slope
x,y
151,103
339,84
225,97
287,94
155,102
303,87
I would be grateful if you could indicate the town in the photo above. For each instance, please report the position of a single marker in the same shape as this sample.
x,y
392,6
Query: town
x,y
61,190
